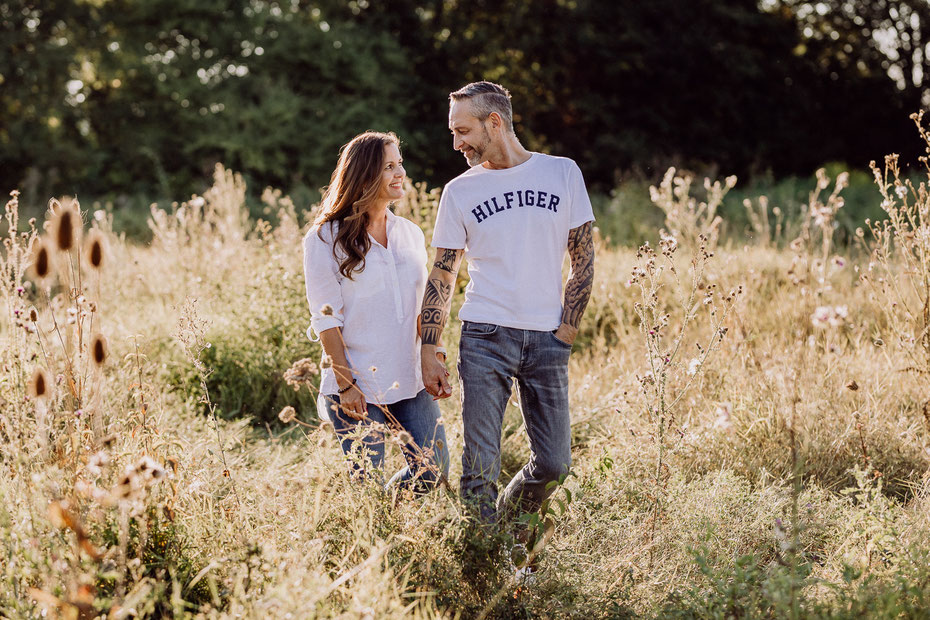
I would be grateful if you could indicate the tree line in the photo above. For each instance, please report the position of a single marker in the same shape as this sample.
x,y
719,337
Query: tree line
x,y
143,96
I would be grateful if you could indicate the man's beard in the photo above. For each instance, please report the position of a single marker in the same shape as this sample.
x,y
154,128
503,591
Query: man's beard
x,y
478,151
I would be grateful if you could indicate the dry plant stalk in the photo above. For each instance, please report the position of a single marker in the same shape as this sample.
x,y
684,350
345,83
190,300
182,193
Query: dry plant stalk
x,y
653,274
898,272
686,218
191,334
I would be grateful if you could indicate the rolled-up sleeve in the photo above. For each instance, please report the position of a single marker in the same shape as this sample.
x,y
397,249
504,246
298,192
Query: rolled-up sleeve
x,y
322,277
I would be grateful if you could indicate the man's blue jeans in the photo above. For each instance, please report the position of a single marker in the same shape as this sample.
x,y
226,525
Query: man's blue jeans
x,y
426,452
490,357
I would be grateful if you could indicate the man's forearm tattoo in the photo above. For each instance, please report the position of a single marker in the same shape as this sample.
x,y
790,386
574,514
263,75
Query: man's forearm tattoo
x,y
437,294
578,288
433,317
447,261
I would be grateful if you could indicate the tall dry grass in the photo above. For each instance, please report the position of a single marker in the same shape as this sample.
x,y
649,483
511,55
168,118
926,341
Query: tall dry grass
x,y
751,433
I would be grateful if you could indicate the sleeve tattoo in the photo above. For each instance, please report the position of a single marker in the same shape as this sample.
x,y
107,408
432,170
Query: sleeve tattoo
x,y
448,260
579,285
438,295
435,307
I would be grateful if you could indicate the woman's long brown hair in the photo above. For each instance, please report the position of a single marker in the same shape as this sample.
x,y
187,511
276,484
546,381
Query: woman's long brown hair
x,y
355,184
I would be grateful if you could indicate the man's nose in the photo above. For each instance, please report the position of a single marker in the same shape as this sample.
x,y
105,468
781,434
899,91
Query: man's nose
x,y
457,143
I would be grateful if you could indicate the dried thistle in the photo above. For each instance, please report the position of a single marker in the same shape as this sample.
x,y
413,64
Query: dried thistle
x,y
94,250
39,385
300,373
99,349
287,415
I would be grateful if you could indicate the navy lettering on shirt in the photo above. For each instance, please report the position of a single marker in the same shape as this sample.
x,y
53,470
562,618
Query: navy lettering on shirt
x,y
524,198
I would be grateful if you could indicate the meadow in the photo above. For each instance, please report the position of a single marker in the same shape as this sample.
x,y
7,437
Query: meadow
x,y
751,424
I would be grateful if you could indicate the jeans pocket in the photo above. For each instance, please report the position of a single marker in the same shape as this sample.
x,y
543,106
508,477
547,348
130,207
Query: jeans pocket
x,y
560,343
470,328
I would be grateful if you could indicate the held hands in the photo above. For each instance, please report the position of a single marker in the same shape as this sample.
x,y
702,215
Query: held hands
x,y
435,375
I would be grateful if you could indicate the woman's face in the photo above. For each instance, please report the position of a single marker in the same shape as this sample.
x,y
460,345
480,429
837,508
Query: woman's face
x,y
393,173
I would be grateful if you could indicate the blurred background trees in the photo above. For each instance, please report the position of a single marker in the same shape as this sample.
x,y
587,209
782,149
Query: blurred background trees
x,y
104,97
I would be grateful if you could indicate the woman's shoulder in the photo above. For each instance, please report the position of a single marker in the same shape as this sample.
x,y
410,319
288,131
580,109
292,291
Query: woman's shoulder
x,y
410,228
321,232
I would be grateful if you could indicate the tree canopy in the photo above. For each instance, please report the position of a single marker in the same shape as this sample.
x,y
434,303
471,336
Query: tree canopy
x,y
144,96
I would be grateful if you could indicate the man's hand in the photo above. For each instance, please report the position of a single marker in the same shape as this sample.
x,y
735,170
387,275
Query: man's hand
x,y
566,333
435,375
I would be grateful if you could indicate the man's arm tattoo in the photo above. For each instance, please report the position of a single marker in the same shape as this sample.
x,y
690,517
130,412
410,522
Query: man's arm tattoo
x,y
448,261
578,288
437,294
433,317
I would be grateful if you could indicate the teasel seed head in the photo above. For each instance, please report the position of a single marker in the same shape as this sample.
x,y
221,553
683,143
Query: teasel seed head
x,y
40,384
99,349
41,260
66,224
94,251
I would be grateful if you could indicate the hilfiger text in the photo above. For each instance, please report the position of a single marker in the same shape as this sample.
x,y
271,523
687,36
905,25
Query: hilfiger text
x,y
516,199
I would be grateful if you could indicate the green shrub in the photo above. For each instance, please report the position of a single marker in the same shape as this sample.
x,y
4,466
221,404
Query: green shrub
x,y
247,355
165,559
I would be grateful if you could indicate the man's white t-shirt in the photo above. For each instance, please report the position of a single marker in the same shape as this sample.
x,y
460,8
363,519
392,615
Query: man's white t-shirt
x,y
513,225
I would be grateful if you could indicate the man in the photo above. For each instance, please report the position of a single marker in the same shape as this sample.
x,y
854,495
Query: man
x,y
513,215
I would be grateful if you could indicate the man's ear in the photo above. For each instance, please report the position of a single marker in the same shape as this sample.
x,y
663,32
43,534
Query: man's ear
x,y
495,120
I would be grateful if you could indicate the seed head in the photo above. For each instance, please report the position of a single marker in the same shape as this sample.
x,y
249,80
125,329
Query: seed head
x,y
287,415
66,224
94,252
41,260
99,349
300,373
39,385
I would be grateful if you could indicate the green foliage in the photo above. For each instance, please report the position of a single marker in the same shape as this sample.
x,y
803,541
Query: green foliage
x,y
747,588
144,97
165,558
248,354
894,584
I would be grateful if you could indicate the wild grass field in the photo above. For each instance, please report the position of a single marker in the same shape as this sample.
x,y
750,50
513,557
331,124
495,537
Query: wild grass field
x,y
751,426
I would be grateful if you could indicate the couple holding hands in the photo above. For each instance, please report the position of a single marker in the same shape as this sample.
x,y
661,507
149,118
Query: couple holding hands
x,y
380,315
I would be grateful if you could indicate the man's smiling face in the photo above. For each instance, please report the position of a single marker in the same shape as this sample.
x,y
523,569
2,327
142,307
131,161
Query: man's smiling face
x,y
469,135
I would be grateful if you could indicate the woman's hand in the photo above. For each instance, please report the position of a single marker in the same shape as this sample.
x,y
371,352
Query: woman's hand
x,y
353,403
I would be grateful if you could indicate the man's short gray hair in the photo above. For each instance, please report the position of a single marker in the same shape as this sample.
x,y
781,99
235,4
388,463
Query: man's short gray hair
x,y
487,97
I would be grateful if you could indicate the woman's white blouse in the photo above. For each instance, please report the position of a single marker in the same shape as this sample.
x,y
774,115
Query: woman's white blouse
x,y
377,309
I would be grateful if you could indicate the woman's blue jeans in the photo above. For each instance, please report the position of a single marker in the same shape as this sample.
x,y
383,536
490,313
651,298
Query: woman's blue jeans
x,y
425,449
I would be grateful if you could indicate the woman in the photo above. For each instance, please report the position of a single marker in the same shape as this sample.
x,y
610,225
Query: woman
x,y
365,270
